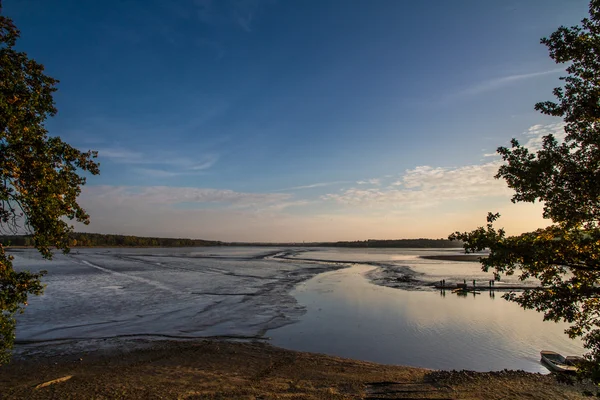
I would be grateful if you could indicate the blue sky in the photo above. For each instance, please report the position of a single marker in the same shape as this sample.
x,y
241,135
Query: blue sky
x,y
297,120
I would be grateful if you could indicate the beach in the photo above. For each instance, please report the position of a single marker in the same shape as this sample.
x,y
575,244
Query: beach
x,y
216,369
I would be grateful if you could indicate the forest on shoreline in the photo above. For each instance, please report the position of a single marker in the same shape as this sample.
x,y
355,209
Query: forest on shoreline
x,y
79,239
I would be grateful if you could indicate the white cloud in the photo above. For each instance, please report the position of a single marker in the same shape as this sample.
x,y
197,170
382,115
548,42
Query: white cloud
x,y
373,181
536,133
286,204
426,186
311,186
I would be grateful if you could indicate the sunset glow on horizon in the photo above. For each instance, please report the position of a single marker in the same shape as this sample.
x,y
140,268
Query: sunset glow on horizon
x,y
273,121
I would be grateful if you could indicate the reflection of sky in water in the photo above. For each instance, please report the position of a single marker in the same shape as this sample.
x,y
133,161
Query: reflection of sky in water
x,y
432,270
374,254
457,271
350,317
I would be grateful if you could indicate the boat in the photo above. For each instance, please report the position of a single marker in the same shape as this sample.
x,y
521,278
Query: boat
x,y
556,362
574,360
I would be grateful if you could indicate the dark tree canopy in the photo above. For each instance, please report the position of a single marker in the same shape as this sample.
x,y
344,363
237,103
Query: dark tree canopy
x,y
565,177
80,239
39,180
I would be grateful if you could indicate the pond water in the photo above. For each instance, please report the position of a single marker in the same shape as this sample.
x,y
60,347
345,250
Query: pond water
x,y
349,316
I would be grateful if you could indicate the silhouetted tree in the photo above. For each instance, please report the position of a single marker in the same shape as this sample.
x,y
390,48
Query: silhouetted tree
x,y
39,180
565,176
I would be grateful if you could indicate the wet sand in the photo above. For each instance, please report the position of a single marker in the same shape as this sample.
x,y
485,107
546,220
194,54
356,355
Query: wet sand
x,y
212,369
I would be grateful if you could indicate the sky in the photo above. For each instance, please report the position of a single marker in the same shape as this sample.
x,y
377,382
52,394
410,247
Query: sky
x,y
312,120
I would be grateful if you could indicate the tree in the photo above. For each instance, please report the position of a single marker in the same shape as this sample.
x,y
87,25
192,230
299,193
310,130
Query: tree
x,y
565,177
39,180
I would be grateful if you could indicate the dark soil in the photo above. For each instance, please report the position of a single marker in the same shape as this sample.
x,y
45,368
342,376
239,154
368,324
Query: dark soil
x,y
213,369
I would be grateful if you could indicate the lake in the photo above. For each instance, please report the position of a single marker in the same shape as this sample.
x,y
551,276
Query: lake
x,y
350,317
327,300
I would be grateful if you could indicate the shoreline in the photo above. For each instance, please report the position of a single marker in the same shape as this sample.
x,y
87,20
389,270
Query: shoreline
x,y
216,369
225,244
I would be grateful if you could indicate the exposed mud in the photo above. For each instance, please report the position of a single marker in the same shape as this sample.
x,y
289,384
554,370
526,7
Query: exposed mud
x,y
216,369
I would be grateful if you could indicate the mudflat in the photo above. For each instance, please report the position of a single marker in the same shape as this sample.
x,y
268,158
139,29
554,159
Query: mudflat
x,y
217,369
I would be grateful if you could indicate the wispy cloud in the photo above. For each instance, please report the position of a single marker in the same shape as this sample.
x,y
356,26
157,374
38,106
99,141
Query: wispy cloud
x,y
373,181
287,204
160,173
205,162
496,83
244,19
170,196
311,186
240,13
121,155
172,165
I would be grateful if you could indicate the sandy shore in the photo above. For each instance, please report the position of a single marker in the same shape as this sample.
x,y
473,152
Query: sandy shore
x,y
212,369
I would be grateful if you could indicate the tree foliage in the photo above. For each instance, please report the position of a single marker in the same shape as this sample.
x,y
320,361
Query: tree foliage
x,y
39,180
565,177
80,239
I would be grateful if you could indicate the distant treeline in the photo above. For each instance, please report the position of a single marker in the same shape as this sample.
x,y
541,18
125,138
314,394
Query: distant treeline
x,y
397,243
101,240
418,243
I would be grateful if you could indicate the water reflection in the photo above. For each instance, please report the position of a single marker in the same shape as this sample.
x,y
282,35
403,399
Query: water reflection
x,y
350,317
